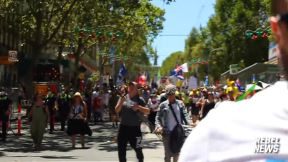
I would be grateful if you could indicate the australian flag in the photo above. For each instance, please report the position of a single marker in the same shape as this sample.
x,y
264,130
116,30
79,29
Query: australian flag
x,y
178,72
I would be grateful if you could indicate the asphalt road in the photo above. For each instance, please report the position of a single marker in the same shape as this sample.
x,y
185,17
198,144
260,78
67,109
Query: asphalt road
x,y
100,146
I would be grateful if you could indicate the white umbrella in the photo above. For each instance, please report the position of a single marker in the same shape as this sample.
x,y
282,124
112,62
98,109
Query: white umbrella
x,y
248,86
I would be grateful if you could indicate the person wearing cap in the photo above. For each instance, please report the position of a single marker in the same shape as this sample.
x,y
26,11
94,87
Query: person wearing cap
x,y
166,121
77,123
249,130
195,109
131,109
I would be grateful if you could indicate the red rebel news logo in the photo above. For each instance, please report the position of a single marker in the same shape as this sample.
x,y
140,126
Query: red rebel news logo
x,y
267,145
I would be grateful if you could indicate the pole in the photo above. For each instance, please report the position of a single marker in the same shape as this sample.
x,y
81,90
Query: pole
x,y
19,125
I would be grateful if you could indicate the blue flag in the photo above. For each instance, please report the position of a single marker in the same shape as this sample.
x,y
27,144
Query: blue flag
x,y
121,75
122,70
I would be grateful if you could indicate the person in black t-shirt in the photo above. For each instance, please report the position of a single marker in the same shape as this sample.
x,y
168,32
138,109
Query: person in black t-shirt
x,y
194,107
51,103
208,105
131,108
64,104
5,110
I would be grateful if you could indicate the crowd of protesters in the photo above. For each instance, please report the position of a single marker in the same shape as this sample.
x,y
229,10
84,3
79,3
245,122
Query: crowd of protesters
x,y
131,105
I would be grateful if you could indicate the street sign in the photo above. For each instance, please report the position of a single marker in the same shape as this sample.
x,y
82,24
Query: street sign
x,y
12,56
234,69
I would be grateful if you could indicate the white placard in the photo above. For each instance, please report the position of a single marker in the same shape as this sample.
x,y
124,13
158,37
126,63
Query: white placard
x,y
272,51
192,83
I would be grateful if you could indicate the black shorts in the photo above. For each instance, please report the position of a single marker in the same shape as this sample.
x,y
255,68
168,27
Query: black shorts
x,y
78,126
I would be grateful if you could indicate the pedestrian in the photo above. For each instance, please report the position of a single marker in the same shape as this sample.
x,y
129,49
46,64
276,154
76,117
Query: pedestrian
x,y
195,109
153,105
98,108
39,114
130,107
171,114
146,93
246,130
51,99
112,104
5,111
207,105
88,102
64,103
105,97
77,123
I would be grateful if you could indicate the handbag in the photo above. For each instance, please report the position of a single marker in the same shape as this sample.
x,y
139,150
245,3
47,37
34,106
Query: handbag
x,y
177,135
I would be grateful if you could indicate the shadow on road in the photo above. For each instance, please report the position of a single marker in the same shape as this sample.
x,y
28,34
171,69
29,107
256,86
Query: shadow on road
x,y
103,138
108,139
48,157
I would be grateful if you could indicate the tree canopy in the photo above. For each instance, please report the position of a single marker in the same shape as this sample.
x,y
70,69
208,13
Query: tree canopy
x,y
222,42
128,27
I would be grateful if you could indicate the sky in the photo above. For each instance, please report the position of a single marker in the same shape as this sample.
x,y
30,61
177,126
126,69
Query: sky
x,y
181,16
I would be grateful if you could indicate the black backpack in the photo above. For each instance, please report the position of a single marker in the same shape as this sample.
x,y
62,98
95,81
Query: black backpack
x,y
177,135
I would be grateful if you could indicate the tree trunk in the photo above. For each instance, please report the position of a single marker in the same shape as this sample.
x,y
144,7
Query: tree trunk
x,y
28,79
101,69
77,60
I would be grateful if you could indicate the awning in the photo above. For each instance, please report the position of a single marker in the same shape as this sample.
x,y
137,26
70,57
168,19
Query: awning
x,y
4,60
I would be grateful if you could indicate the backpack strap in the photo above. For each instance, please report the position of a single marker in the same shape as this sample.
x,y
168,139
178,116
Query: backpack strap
x,y
170,105
182,115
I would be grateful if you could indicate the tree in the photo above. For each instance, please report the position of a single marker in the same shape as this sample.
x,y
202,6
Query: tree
x,y
240,16
223,40
45,25
170,62
126,27
38,23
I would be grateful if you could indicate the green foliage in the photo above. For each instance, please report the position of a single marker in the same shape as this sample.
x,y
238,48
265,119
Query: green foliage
x,y
170,62
223,40
45,25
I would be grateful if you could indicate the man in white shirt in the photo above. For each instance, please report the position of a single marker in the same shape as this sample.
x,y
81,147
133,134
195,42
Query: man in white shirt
x,y
249,130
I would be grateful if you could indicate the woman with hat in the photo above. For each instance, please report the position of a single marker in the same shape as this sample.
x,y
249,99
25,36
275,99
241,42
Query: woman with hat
x,y
77,123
